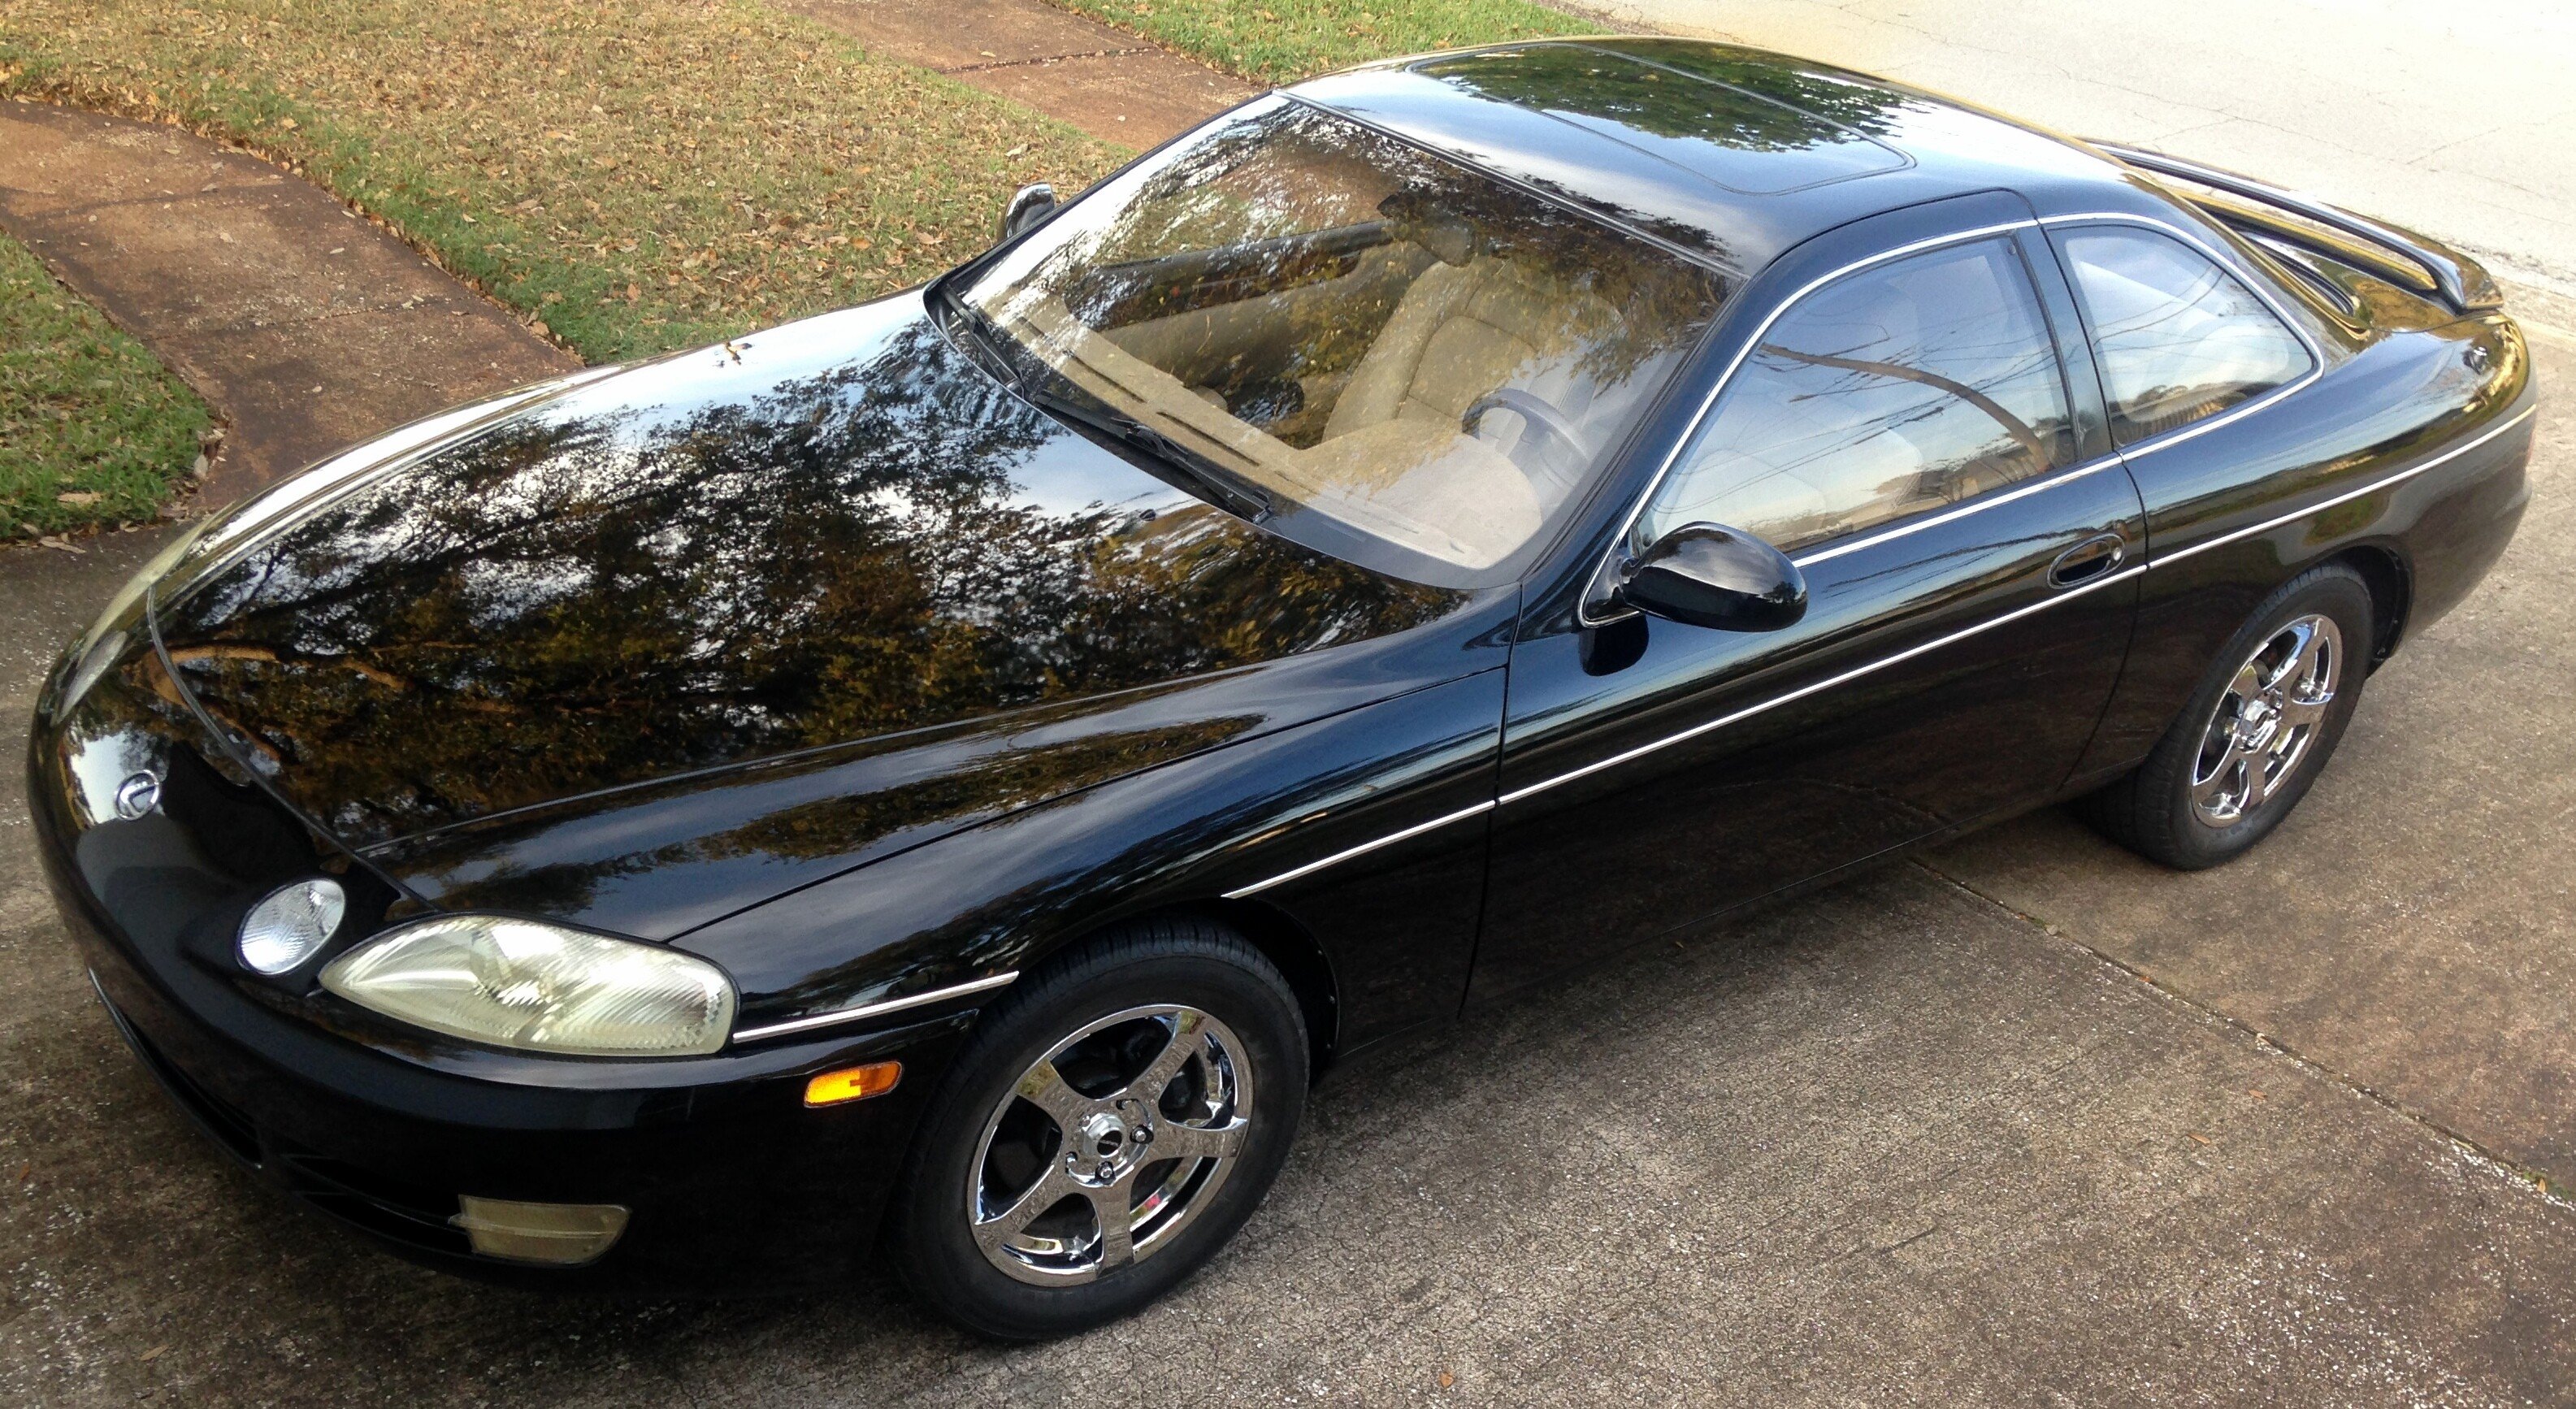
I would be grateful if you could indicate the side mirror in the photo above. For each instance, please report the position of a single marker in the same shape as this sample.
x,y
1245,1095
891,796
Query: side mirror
x,y
1029,205
1705,574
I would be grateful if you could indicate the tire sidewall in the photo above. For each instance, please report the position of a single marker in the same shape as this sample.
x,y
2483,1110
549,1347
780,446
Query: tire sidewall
x,y
934,1248
2333,591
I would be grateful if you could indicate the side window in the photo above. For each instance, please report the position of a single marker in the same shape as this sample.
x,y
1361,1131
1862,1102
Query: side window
x,y
1895,390
2177,337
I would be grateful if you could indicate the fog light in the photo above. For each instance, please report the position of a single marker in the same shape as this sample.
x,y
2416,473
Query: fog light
x,y
563,1234
853,1083
290,923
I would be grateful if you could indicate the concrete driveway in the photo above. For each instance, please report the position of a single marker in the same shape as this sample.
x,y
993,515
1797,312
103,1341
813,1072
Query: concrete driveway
x,y
2027,1122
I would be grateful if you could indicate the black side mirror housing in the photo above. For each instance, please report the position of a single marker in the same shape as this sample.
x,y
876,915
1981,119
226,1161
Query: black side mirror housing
x,y
1706,574
1029,205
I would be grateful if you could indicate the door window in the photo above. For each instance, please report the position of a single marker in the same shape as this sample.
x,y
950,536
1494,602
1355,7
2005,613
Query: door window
x,y
2178,338
1896,390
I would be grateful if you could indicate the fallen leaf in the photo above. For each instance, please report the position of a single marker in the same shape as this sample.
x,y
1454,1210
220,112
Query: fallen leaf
x,y
77,498
155,1352
60,545
1447,1379
2198,1136
2258,1093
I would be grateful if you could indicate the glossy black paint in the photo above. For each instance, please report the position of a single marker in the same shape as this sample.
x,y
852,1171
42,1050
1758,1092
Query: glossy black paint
x,y
823,656
1709,575
833,532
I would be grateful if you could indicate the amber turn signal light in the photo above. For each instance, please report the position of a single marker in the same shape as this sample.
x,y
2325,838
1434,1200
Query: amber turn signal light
x,y
853,1083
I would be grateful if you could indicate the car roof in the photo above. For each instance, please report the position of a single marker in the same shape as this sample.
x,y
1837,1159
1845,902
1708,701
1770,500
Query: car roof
x,y
1729,154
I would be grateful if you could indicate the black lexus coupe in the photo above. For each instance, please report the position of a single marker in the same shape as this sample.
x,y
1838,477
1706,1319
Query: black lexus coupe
x,y
937,780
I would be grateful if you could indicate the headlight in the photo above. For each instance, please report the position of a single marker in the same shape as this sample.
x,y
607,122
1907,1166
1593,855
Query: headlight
x,y
520,983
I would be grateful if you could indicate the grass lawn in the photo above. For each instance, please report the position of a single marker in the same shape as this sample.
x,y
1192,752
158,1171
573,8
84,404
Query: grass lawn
x,y
639,176
93,429
1281,41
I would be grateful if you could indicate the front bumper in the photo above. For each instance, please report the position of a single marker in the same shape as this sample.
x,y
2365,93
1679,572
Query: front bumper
x,y
731,1182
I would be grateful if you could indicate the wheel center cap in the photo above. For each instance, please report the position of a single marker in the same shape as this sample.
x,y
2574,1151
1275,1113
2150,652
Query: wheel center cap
x,y
1104,1136
2254,727
1105,1146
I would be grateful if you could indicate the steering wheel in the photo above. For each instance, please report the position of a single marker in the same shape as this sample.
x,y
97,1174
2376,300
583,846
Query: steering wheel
x,y
1536,415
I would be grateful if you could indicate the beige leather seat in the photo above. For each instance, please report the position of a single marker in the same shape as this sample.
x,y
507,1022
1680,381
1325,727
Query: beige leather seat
x,y
1463,331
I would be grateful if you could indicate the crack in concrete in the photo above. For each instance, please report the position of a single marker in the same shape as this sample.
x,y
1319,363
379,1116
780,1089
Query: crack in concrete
x,y
2533,1180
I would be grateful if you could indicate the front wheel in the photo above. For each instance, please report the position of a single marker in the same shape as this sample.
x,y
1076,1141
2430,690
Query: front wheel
x,y
1104,1132
2257,732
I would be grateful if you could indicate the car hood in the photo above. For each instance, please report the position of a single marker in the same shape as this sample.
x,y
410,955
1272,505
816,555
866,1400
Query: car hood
x,y
836,533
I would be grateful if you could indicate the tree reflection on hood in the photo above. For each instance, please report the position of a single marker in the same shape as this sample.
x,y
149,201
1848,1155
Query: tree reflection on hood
x,y
625,584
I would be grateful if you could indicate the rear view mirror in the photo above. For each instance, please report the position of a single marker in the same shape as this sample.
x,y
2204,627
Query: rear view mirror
x,y
1706,574
1029,205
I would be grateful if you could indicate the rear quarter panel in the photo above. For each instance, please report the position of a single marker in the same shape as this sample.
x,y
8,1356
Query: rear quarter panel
x,y
2408,452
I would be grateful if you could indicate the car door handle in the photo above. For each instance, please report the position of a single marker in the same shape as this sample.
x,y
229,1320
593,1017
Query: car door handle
x,y
2088,560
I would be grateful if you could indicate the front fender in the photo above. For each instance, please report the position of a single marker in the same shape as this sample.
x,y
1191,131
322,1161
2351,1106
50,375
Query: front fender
x,y
1397,922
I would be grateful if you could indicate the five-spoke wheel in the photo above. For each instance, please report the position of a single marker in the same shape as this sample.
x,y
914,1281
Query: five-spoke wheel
x,y
2255,734
1104,1129
1109,1144
2265,721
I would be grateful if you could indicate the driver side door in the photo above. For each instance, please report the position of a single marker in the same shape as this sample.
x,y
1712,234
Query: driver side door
x,y
1902,424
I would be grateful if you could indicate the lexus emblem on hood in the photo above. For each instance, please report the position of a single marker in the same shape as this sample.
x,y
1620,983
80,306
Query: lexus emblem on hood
x,y
138,795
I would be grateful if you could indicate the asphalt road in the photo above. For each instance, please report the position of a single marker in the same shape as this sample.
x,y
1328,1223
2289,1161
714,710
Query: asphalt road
x,y
2024,1122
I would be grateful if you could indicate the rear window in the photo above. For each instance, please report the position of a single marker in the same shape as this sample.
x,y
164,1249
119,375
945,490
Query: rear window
x,y
2178,338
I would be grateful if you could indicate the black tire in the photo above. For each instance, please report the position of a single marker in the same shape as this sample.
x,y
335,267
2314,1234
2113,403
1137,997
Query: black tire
x,y
2152,811
1193,965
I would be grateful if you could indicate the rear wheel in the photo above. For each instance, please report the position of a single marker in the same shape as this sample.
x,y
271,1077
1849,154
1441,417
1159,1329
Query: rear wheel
x,y
1108,1127
2255,735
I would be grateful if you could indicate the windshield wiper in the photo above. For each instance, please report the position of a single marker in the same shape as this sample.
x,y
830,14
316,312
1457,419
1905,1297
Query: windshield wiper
x,y
1243,499
1024,376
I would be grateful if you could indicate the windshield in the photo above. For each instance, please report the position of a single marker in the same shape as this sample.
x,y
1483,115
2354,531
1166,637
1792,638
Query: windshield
x,y
1371,349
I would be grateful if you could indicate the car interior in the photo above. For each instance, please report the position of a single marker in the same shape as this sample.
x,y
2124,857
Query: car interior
x,y
1431,364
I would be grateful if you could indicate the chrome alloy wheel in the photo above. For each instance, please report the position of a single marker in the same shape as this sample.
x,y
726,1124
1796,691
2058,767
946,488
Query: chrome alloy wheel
x,y
2266,720
1109,1145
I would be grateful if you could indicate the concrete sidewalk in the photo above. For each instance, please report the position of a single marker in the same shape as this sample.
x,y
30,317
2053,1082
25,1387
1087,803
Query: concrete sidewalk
x,y
1113,85
306,327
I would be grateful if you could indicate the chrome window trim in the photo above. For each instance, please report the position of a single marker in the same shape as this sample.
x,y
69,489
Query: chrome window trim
x,y
2347,496
2263,295
874,1010
1637,507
